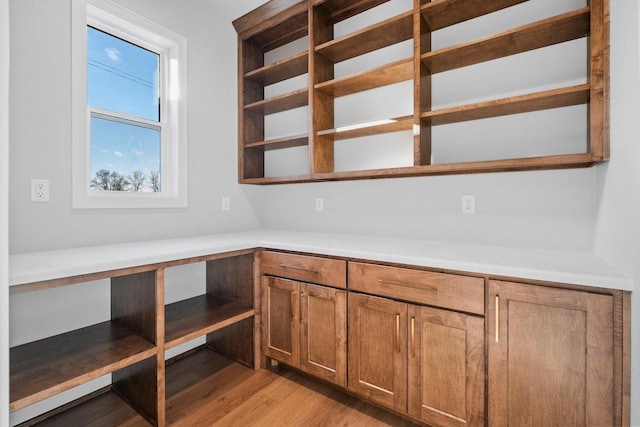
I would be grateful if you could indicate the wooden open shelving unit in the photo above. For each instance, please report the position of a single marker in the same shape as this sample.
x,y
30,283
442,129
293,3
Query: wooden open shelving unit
x,y
131,346
279,22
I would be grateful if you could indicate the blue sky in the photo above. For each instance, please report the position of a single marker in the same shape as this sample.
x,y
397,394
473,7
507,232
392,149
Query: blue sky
x,y
122,77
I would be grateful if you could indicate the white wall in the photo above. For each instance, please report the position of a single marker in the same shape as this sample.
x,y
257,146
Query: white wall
x,y
541,209
41,132
618,218
4,212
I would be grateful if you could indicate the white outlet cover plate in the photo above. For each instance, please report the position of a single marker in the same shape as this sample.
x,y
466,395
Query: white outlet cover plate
x,y
39,190
468,204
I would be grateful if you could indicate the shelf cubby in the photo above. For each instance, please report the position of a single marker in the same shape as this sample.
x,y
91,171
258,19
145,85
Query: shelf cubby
x,y
201,315
339,10
555,98
377,127
386,33
283,142
444,13
228,299
280,103
44,368
559,29
396,72
284,69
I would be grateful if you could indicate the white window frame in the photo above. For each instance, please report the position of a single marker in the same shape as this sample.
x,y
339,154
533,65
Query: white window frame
x,y
172,49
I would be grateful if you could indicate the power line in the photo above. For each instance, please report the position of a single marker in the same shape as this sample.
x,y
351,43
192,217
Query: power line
x,y
120,73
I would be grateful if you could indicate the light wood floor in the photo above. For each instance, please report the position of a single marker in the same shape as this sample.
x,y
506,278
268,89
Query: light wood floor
x,y
208,390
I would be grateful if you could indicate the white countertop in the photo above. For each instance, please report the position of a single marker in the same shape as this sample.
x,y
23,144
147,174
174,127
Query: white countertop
x,y
573,267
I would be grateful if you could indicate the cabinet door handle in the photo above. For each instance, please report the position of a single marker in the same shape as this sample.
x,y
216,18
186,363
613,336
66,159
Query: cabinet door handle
x,y
418,286
292,267
293,305
497,318
398,332
413,336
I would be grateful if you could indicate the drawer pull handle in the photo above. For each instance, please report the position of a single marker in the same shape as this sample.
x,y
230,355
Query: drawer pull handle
x,y
425,287
398,333
291,267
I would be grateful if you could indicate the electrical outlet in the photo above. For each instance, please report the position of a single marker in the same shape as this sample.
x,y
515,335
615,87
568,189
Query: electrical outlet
x,y
319,204
468,204
39,190
226,203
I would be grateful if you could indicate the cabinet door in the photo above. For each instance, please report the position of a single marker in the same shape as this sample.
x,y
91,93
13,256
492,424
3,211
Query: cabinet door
x,y
550,356
323,339
378,350
446,367
280,310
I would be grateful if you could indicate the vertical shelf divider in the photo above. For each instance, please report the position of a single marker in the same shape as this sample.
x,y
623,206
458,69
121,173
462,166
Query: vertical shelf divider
x,y
321,106
160,340
421,87
599,55
134,305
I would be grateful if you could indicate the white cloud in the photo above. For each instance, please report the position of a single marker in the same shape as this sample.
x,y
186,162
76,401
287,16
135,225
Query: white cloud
x,y
113,54
119,154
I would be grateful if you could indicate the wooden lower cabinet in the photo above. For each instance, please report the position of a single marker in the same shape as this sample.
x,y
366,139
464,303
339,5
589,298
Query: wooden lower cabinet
x,y
305,327
378,350
550,356
421,361
281,327
323,333
446,367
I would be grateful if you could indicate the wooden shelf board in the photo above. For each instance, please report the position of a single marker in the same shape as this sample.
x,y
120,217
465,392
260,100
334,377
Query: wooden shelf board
x,y
288,101
277,180
559,29
397,124
194,317
569,161
287,68
444,13
374,37
531,163
344,9
280,143
47,367
382,76
556,98
283,33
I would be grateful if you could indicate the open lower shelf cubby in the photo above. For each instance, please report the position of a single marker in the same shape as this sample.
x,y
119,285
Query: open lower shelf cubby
x,y
357,47
106,408
131,345
199,316
46,367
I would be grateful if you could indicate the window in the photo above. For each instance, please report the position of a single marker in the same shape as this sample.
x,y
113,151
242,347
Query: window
x,y
129,147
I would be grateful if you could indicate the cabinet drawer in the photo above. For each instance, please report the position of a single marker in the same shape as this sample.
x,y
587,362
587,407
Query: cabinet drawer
x,y
310,269
423,287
